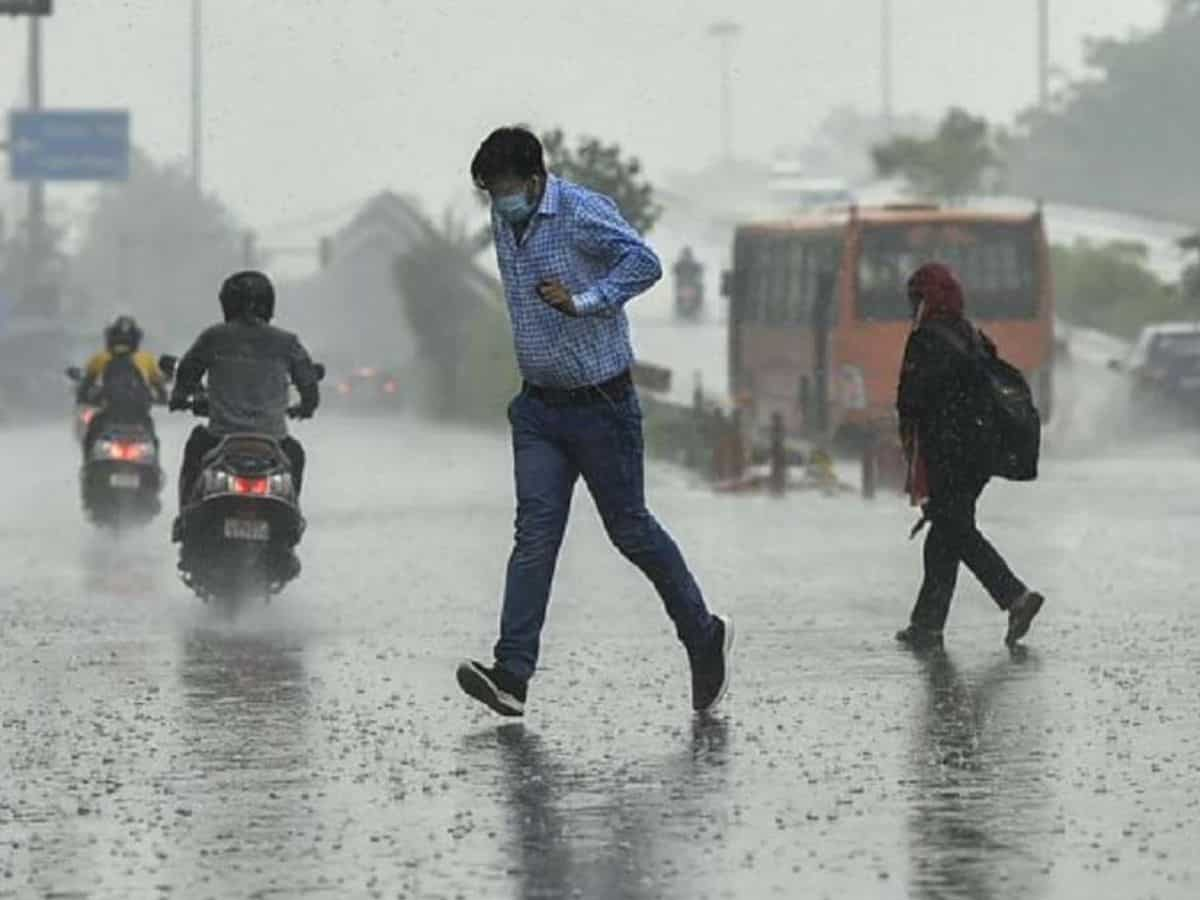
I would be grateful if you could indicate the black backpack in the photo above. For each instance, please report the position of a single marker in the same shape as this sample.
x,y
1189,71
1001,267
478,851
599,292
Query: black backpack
x,y
123,389
1016,423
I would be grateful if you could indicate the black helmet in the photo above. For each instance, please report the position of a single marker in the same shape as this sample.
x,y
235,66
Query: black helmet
x,y
248,294
123,334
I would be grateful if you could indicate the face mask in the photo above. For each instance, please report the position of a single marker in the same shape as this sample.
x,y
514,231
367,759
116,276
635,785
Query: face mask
x,y
514,208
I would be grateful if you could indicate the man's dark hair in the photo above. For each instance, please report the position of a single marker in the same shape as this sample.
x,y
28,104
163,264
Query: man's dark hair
x,y
508,151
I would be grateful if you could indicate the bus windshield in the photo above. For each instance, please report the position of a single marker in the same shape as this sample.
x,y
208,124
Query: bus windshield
x,y
994,261
781,276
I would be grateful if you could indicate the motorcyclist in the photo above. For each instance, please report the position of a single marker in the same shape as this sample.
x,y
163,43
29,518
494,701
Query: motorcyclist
x,y
689,284
249,364
122,380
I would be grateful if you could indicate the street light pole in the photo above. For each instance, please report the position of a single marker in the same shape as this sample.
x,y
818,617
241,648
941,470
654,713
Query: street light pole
x,y
1043,51
37,188
885,64
197,95
726,32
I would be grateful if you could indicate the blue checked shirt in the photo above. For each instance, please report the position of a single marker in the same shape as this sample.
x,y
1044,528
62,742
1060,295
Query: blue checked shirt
x,y
580,238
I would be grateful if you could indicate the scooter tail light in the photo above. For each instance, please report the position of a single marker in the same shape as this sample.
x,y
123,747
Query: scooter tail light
x,y
257,487
130,452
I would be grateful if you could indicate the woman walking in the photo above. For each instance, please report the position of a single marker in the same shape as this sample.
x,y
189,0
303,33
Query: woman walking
x,y
948,431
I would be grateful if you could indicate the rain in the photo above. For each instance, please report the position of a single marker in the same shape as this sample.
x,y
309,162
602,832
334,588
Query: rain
x,y
239,699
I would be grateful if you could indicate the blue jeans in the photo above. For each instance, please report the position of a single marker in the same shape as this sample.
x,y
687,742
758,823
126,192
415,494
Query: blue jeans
x,y
552,447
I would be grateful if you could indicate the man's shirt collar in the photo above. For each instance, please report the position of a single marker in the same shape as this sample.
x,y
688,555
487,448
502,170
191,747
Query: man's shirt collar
x,y
551,197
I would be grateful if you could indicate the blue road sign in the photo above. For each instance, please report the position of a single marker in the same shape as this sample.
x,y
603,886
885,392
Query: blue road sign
x,y
68,145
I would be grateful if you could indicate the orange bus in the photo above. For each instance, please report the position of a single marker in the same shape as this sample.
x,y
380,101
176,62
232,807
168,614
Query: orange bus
x,y
819,313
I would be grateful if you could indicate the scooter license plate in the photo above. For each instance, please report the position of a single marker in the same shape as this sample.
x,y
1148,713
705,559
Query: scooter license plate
x,y
247,530
125,481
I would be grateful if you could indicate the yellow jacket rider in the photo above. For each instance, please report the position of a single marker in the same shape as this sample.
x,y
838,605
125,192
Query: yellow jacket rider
x,y
123,380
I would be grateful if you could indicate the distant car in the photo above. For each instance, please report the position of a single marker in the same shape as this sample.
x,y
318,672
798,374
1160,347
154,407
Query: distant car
x,y
1165,363
369,388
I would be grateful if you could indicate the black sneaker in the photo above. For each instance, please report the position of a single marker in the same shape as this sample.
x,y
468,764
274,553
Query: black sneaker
x,y
711,670
917,638
1021,615
493,686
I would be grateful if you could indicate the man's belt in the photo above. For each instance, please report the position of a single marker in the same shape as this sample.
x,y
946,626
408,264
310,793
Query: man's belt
x,y
611,391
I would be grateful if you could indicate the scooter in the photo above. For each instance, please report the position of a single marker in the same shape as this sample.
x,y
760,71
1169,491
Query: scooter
x,y
120,479
240,521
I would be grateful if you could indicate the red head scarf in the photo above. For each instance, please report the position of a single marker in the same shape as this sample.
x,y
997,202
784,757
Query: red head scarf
x,y
938,292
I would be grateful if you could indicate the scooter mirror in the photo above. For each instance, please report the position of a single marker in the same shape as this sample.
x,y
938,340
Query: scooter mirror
x,y
319,368
74,373
167,364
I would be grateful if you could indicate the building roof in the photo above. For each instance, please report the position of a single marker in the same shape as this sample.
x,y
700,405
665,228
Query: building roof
x,y
353,310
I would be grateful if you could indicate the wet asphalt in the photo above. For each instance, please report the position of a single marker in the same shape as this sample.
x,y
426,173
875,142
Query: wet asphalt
x,y
318,746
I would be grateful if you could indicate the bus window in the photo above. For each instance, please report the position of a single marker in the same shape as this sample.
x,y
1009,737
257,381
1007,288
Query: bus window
x,y
800,265
756,280
994,261
809,259
827,258
778,276
797,273
775,302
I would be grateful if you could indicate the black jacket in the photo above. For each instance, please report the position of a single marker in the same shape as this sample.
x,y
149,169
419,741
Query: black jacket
x,y
942,400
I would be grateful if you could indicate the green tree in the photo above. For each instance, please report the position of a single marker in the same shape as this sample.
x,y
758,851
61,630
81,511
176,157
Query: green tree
x,y
955,162
1110,287
1189,282
156,248
457,314
1126,136
28,289
604,168
842,142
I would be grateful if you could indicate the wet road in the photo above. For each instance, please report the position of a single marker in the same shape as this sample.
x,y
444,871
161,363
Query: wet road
x,y
319,746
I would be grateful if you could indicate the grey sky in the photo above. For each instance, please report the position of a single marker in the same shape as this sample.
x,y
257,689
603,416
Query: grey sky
x,y
314,104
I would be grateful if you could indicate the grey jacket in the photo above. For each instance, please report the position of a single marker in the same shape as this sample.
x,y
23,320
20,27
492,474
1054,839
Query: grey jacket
x,y
249,366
